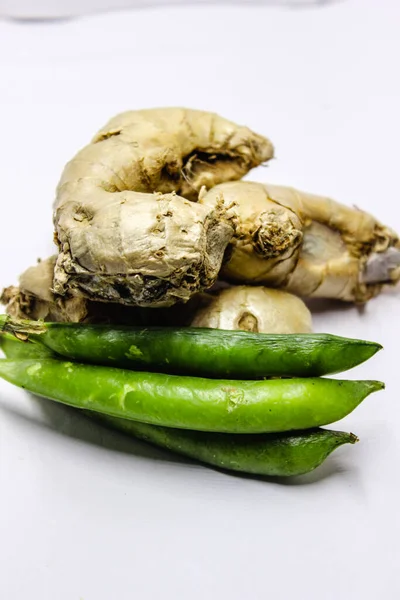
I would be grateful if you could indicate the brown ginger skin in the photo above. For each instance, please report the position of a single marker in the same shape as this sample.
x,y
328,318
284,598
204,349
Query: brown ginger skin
x,y
125,227
306,244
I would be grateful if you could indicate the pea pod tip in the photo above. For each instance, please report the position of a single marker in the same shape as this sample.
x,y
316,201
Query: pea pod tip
x,y
368,386
342,437
376,386
375,347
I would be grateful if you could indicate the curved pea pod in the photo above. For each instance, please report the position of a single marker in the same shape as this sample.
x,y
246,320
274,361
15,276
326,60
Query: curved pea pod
x,y
279,454
195,351
228,406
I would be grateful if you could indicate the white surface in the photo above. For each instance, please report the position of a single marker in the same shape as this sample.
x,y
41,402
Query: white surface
x,y
88,515
53,9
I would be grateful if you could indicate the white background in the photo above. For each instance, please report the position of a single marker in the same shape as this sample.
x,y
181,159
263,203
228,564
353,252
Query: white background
x,y
89,515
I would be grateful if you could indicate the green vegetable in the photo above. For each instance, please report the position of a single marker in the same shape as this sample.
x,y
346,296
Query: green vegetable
x,y
260,454
190,402
279,454
203,352
14,348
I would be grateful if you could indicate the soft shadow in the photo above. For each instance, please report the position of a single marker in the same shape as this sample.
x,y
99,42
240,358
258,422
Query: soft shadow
x,y
23,21
73,423
321,305
330,468
150,4
391,291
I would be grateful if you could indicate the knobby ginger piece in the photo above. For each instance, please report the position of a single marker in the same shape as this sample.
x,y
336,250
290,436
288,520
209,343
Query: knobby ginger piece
x,y
125,227
35,299
247,308
256,309
308,245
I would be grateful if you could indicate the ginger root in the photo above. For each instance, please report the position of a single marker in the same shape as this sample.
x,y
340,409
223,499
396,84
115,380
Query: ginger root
x,y
308,245
34,299
247,308
124,235
256,309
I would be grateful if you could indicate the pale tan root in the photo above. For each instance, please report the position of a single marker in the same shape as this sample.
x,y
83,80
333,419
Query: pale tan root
x,y
309,245
34,299
176,245
267,242
256,309
118,240
245,308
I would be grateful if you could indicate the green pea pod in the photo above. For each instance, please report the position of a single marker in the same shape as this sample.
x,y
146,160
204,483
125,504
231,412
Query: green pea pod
x,y
14,348
282,454
190,402
200,352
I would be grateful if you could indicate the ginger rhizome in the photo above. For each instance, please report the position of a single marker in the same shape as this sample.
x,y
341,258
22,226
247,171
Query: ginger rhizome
x,y
126,228
35,299
151,213
247,308
306,244
253,308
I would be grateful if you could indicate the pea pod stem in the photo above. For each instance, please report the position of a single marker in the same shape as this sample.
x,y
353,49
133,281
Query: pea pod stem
x,y
228,406
196,351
